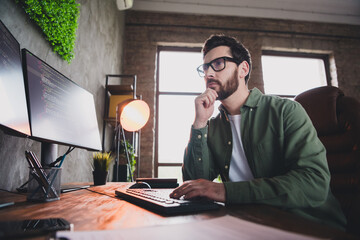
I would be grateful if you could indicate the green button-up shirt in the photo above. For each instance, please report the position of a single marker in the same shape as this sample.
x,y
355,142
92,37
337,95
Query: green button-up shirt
x,y
285,156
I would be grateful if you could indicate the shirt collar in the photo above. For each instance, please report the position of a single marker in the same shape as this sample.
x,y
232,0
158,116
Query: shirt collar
x,y
254,98
251,102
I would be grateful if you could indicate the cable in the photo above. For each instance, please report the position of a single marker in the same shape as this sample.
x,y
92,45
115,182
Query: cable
x,y
101,193
20,193
60,159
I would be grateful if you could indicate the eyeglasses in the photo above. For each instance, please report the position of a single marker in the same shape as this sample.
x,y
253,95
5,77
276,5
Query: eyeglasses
x,y
217,65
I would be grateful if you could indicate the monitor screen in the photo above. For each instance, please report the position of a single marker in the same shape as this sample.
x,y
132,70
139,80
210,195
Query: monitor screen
x,y
60,110
13,109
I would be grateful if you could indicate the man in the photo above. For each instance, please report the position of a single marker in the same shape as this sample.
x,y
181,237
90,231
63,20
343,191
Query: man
x,y
265,148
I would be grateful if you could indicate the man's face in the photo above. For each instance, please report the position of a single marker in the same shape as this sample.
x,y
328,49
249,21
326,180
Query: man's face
x,y
224,82
228,87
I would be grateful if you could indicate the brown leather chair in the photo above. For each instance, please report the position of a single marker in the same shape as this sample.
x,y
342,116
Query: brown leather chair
x,y
336,118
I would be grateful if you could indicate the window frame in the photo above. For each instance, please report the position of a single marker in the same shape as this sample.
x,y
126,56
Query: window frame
x,y
324,57
158,93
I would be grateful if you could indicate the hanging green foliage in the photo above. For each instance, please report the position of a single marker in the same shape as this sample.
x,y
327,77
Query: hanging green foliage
x,y
58,21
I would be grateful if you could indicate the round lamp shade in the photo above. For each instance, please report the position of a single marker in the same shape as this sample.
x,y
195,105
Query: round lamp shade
x,y
134,115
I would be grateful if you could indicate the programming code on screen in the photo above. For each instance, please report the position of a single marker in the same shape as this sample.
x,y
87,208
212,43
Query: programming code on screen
x,y
13,107
60,110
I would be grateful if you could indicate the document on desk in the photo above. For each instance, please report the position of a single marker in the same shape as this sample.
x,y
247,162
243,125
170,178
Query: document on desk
x,y
226,227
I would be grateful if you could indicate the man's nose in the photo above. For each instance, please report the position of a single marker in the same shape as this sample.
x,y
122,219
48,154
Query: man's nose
x,y
209,73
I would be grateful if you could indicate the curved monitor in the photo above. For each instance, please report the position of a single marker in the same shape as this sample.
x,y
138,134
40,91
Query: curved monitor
x,y
13,109
60,111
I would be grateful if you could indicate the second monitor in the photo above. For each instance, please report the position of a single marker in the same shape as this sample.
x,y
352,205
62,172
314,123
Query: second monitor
x,y
61,112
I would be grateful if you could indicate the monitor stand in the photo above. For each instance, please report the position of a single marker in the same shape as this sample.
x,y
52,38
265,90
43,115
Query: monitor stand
x,y
49,153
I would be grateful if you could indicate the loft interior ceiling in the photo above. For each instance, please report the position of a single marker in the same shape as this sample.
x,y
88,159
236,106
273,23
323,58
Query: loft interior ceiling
x,y
328,11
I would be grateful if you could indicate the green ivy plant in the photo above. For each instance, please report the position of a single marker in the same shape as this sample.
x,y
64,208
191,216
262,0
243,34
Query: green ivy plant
x,y
58,20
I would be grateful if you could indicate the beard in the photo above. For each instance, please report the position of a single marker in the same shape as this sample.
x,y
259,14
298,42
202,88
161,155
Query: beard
x,y
227,89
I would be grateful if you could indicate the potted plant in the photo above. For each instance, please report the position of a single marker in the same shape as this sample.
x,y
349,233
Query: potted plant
x,y
101,163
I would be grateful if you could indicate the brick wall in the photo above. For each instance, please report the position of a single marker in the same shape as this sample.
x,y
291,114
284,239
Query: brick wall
x,y
144,31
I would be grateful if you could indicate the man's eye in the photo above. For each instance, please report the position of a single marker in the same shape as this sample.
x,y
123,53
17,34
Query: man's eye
x,y
217,63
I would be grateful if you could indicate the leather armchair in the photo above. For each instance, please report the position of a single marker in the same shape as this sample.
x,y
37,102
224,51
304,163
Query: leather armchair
x,y
336,118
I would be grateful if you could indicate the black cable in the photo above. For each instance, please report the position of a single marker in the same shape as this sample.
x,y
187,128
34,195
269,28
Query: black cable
x,y
101,193
70,149
20,193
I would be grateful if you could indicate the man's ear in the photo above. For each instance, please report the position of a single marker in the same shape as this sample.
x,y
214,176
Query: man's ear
x,y
243,69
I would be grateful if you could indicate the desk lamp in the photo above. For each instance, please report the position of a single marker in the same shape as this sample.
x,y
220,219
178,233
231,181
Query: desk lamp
x,y
131,115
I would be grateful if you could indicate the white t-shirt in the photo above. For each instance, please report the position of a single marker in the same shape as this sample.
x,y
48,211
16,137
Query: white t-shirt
x,y
239,166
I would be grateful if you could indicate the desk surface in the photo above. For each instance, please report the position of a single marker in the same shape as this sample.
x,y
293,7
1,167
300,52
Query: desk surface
x,y
97,208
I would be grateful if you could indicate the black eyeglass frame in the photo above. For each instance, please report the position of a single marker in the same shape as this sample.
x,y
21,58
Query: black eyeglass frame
x,y
209,64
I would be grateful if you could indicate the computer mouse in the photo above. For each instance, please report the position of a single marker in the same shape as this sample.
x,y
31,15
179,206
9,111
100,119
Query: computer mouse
x,y
140,185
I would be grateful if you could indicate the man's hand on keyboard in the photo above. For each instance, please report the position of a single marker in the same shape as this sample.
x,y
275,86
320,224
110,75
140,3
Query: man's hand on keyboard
x,y
200,188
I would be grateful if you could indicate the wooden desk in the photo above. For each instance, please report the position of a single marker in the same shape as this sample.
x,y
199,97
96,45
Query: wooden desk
x,y
97,208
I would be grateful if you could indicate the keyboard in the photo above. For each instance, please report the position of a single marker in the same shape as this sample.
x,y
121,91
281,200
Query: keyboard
x,y
158,200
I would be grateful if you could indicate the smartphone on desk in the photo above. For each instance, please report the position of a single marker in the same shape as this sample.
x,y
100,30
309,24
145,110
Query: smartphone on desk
x,y
32,227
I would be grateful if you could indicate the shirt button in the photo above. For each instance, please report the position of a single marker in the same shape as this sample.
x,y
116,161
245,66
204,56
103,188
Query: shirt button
x,y
229,142
199,136
199,159
205,135
226,166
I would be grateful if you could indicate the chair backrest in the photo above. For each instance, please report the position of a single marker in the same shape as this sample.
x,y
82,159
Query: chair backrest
x,y
336,118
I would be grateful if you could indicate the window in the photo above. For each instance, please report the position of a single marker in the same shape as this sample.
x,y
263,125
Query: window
x,y
288,74
178,83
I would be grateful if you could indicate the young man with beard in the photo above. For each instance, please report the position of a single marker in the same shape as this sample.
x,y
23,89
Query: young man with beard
x,y
265,148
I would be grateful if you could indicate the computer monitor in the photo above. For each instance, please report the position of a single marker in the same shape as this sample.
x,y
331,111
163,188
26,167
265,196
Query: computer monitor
x,y
13,110
60,111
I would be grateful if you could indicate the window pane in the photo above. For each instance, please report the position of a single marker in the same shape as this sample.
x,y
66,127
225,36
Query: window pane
x,y
292,75
176,115
177,72
170,172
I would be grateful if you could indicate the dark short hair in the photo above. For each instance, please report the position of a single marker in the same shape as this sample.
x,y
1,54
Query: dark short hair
x,y
238,51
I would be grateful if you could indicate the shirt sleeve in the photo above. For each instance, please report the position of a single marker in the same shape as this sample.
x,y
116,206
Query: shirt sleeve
x,y
197,157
